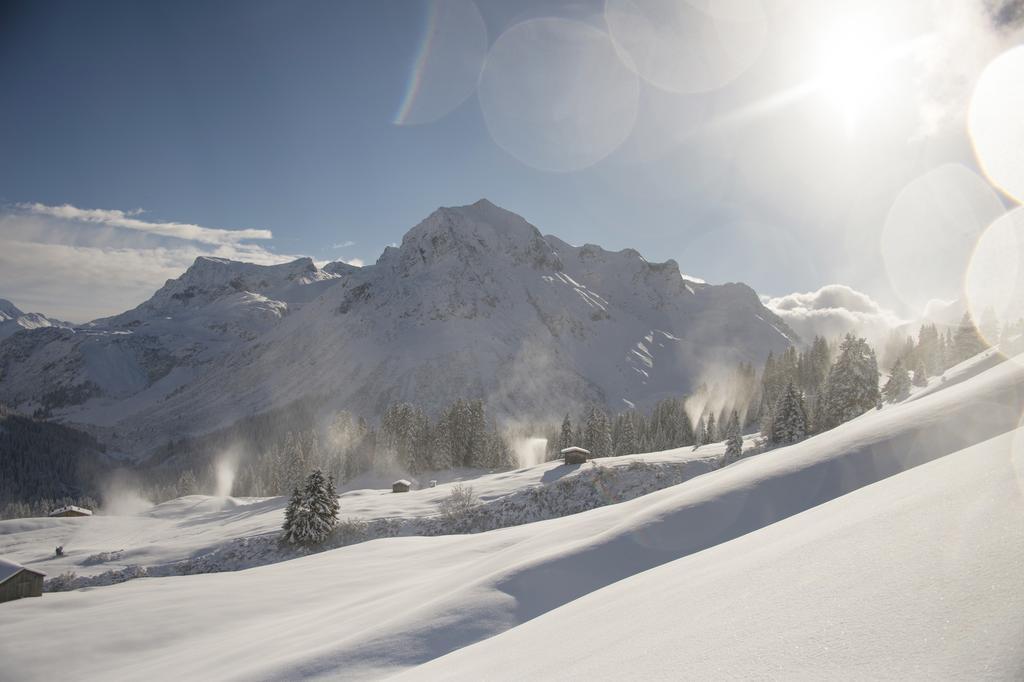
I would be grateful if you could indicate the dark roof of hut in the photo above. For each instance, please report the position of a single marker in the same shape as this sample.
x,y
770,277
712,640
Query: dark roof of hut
x,y
9,569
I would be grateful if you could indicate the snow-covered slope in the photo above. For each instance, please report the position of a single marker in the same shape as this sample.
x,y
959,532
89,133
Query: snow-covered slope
x,y
915,577
791,561
159,538
14,320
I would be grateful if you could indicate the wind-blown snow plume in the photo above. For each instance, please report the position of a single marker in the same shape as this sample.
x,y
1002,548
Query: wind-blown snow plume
x,y
225,469
530,451
719,388
121,495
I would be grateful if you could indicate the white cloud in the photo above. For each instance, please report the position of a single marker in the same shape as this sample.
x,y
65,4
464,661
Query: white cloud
x,y
834,310
80,264
124,220
358,262
343,245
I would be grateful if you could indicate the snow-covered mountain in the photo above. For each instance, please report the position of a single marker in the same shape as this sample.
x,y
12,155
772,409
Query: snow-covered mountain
x,y
14,320
474,303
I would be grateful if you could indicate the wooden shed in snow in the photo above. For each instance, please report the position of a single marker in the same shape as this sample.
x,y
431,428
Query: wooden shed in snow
x,y
16,581
575,455
401,486
71,510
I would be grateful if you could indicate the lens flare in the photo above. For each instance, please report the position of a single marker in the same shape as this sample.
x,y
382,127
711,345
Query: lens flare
x,y
994,284
930,230
995,122
1017,452
555,95
687,47
447,63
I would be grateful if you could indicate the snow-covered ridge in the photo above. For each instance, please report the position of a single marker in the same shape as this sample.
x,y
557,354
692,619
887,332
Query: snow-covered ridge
x,y
14,320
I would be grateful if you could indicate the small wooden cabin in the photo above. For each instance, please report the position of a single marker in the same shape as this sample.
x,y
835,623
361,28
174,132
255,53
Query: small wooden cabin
x,y
401,486
71,510
575,455
16,581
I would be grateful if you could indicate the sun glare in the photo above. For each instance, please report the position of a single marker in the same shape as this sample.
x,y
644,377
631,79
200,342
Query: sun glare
x,y
851,57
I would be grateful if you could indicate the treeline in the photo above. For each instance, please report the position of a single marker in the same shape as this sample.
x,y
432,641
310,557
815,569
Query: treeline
x,y
346,446
45,465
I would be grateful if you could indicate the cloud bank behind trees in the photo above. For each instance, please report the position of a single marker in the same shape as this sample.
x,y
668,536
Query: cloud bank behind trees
x,y
833,310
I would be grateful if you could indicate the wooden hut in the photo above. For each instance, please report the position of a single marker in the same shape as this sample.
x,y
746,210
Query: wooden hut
x,y
401,486
16,581
575,455
71,510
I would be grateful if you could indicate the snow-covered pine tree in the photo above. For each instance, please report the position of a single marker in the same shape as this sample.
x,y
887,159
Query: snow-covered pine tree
x,y
312,512
565,439
710,429
988,325
790,422
598,436
920,374
698,433
897,388
187,484
627,444
733,439
852,385
968,342
291,511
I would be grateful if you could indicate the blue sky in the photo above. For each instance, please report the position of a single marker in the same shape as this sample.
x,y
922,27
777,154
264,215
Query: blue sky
x,y
281,117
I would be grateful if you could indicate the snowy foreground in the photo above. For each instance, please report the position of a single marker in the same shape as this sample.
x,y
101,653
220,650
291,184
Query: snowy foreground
x,y
889,547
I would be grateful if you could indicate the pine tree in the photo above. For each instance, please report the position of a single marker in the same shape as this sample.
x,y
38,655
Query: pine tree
x,y
627,437
565,439
598,436
711,431
733,439
920,374
988,325
968,342
897,388
312,512
187,484
790,423
852,385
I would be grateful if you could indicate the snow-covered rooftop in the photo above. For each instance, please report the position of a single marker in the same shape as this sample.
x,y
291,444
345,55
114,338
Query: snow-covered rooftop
x,y
71,508
8,569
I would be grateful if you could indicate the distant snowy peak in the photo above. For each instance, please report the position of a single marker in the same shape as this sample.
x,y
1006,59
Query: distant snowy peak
x,y
12,320
8,311
220,281
340,268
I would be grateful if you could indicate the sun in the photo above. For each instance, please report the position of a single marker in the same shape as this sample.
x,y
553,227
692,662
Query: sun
x,y
851,76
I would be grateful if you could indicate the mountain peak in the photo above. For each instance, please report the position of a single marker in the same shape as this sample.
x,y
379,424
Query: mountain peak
x,y
8,310
465,233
